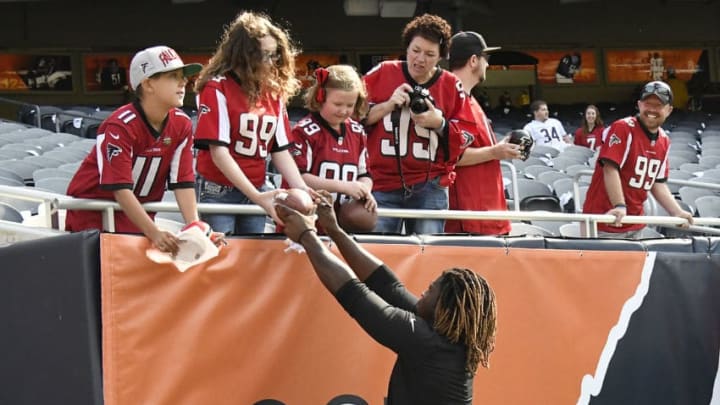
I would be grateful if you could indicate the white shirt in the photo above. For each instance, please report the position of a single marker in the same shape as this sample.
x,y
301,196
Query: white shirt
x,y
550,133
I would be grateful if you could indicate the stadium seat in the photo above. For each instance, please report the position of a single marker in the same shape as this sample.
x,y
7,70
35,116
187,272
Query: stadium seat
x,y
66,155
4,181
57,185
572,170
29,149
532,172
21,168
550,177
520,165
6,127
709,162
561,162
708,206
70,167
571,230
693,168
544,151
8,213
11,154
688,195
523,229
44,161
47,173
677,175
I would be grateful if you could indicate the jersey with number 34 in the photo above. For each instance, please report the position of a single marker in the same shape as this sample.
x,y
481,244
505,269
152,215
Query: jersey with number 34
x,y
642,162
226,118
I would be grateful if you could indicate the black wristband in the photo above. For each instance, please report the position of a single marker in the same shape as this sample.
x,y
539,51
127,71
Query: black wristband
x,y
620,206
299,240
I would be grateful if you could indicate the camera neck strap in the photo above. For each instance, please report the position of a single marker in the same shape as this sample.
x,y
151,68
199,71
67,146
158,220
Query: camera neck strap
x,y
395,120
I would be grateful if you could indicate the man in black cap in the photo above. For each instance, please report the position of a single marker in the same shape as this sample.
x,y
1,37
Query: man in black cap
x,y
633,161
469,59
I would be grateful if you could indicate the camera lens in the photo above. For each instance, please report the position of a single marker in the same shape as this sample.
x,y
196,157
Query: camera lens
x,y
417,105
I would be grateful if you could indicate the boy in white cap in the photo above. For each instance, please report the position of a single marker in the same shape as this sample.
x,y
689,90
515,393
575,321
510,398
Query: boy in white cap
x,y
141,148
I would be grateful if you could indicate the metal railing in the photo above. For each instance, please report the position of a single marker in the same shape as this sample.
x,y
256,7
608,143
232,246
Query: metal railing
x,y
55,202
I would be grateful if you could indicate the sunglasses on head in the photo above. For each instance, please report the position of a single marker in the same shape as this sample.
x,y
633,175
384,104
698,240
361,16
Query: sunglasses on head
x,y
659,89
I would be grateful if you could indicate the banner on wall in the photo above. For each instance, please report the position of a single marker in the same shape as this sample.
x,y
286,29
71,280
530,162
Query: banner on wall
x,y
35,72
566,67
368,61
628,66
306,63
255,326
110,72
106,72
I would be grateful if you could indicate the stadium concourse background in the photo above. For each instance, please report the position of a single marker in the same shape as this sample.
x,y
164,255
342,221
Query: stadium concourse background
x,y
79,27
88,319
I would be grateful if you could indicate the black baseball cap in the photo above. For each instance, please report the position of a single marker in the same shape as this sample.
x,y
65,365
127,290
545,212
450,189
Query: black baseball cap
x,y
658,88
465,44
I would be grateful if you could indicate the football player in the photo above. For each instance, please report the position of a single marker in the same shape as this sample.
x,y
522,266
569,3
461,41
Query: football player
x,y
419,121
633,161
242,118
330,146
141,148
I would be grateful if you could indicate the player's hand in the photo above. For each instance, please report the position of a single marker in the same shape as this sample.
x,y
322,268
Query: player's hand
x,y
294,223
218,238
326,211
165,241
266,200
431,119
685,215
505,150
619,213
400,96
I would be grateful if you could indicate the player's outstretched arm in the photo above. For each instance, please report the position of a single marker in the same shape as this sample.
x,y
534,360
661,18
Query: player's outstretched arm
x,y
362,262
331,271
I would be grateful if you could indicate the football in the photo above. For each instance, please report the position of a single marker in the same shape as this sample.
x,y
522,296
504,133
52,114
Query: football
x,y
353,217
297,199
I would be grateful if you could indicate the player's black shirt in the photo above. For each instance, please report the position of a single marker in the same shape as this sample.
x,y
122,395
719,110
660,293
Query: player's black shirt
x,y
429,369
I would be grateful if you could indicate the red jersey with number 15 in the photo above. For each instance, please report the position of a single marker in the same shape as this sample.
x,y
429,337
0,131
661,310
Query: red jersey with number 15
x,y
227,119
642,159
423,153
130,154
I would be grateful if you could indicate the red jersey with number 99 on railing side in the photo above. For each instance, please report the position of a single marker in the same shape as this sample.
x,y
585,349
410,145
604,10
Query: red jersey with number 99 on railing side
x,y
642,160
250,132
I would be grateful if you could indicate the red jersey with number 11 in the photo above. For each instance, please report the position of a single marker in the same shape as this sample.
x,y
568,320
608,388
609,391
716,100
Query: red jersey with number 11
x,y
130,154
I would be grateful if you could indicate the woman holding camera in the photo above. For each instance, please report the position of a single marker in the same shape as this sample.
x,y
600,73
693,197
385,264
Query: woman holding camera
x,y
419,122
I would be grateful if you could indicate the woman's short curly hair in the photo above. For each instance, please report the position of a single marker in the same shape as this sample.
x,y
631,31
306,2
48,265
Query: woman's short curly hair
x,y
431,27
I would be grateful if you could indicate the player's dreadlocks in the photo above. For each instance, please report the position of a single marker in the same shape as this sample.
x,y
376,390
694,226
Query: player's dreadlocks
x,y
465,313
239,51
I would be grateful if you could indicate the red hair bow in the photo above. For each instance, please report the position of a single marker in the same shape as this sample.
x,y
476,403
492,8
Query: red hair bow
x,y
321,75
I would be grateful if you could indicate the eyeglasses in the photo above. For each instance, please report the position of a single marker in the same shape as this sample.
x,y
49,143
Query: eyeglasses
x,y
271,57
486,56
659,89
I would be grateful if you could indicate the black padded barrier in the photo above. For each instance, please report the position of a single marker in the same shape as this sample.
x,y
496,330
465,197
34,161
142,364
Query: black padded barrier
x,y
50,311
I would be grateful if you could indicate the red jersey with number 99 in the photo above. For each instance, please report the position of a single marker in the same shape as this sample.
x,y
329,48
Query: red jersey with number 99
x,y
250,132
642,159
130,154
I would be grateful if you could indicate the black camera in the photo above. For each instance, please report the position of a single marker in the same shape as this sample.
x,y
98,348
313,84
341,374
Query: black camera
x,y
417,100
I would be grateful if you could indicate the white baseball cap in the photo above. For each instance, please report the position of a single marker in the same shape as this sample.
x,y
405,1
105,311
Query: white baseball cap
x,y
158,59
